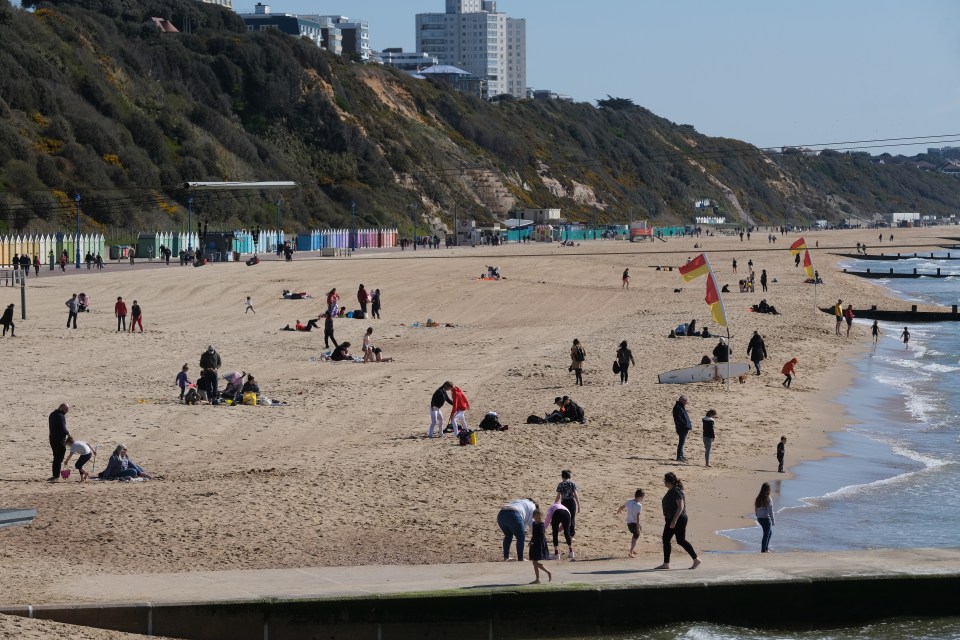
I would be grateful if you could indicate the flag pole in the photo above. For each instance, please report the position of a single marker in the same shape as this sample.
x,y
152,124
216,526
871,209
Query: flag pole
x,y
723,309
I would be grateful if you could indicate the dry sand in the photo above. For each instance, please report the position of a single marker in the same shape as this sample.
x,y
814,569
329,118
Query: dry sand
x,y
17,628
344,474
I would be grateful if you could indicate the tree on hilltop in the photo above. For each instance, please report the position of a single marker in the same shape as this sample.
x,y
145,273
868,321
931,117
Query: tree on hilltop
x,y
616,104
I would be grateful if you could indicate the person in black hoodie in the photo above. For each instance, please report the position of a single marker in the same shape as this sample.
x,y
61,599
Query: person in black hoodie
x,y
757,350
440,398
58,438
7,321
721,353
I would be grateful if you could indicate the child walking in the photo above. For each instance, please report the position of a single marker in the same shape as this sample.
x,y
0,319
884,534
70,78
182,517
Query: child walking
x,y
136,317
250,307
906,338
789,370
709,434
781,451
84,453
183,380
538,547
634,509
875,331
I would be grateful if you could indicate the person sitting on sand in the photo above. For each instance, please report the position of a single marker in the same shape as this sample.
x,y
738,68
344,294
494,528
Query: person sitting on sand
x,y
493,272
121,467
250,386
557,414
342,352
83,303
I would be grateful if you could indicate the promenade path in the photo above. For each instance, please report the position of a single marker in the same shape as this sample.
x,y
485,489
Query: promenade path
x,y
374,580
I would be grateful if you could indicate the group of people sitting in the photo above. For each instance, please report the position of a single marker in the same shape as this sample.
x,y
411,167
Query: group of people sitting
x,y
121,467
689,330
748,284
371,353
567,411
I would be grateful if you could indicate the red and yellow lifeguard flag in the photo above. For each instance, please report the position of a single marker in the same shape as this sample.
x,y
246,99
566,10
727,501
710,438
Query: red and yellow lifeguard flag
x,y
695,268
713,301
808,264
798,246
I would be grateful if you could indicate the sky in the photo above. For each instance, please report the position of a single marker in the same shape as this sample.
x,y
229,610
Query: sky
x,y
770,72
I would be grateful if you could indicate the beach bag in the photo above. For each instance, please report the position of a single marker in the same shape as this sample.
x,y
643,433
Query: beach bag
x,y
359,315
250,398
579,355
535,419
467,436
616,367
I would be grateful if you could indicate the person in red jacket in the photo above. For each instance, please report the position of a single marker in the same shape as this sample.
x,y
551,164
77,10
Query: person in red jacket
x,y
848,316
120,310
789,370
460,407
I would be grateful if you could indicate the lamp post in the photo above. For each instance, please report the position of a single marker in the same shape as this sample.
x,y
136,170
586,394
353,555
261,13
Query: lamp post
x,y
189,222
456,229
414,205
76,240
353,230
278,227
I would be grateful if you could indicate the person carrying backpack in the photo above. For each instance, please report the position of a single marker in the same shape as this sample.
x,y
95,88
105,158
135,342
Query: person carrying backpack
x,y
577,356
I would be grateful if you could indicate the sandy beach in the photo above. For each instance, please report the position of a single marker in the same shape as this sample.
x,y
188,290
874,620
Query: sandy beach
x,y
344,475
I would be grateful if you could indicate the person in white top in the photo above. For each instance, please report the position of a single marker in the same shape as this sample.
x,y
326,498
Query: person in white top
x,y
84,453
514,519
633,508
763,506
250,307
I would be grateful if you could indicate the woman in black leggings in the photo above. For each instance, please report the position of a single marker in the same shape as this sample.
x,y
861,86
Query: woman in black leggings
x,y
675,520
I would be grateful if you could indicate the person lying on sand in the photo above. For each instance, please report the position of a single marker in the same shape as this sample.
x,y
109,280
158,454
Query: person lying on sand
x,y
299,295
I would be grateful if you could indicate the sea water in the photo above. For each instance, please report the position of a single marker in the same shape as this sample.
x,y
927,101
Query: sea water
x,y
893,481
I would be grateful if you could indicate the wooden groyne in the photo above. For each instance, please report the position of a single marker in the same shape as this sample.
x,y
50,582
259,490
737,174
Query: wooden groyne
x,y
908,317
898,256
870,273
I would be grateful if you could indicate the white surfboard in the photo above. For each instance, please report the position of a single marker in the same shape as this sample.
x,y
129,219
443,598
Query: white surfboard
x,y
704,373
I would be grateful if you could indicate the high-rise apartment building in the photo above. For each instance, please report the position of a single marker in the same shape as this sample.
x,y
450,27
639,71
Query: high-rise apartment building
x,y
475,37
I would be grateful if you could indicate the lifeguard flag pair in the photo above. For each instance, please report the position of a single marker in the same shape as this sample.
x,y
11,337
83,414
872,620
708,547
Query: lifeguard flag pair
x,y
797,247
700,266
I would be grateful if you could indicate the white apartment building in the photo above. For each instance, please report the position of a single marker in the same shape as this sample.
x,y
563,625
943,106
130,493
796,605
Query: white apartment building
x,y
475,37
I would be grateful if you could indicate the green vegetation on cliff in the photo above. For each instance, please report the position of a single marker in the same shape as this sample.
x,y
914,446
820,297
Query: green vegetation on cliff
x,y
95,99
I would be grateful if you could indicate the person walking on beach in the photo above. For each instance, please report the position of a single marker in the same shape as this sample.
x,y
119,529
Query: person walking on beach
x,y
734,266
461,405
577,356
681,422
624,360
708,434
906,338
558,517
789,370
763,279
63,261
437,401
36,265
514,519
763,507
757,350
136,317
838,312
634,509
781,453
675,520
567,496
796,260
626,279
7,321
848,316
875,331
375,308
183,380
328,333
57,423
538,547
120,310
73,306
249,307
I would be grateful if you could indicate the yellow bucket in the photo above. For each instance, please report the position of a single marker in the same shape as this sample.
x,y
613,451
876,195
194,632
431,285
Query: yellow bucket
x,y
473,438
